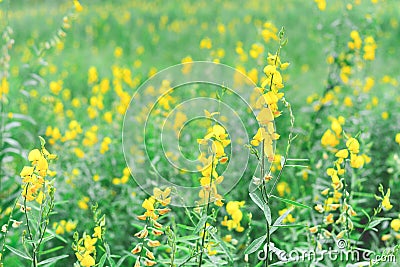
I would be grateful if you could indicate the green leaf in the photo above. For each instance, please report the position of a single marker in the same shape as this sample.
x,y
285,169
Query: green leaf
x,y
376,222
200,224
47,238
289,225
256,244
279,221
366,214
291,202
19,253
190,228
42,141
51,250
256,199
57,236
123,258
259,264
53,259
102,260
187,238
264,207
267,214
222,245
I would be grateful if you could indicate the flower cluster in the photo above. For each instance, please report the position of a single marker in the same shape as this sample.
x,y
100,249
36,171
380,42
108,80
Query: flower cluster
x,y
337,199
267,104
233,209
369,48
150,216
85,247
218,139
331,136
34,177
64,226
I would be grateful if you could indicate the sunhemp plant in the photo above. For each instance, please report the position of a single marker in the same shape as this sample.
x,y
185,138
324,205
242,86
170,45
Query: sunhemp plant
x,y
262,146
36,203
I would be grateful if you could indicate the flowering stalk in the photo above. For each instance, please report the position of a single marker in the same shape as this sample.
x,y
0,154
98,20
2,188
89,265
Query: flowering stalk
x,y
218,138
268,105
150,217
35,188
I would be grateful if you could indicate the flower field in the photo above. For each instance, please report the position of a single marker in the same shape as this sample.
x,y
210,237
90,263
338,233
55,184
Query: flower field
x,y
198,133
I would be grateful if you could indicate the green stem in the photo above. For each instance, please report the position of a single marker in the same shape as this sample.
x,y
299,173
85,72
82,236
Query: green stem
x,y
206,211
3,243
34,259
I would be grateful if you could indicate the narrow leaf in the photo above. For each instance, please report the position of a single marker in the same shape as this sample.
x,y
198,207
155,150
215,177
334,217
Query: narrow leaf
x,y
187,238
103,260
279,220
291,202
222,245
53,259
51,250
19,253
256,244
200,224
256,199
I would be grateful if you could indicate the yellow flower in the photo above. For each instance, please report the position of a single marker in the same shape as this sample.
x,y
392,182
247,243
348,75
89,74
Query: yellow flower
x,y
59,229
386,201
356,161
386,237
395,224
289,218
69,226
85,260
82,203
329,218
325,192
397,138
136,249
118,52
369,48
26,173
148,262
79,152
283,188
205,43
353,145
314,229
319,208
265,116
34,156
329,139
348,102
258,137
153,243
97,232
89,243
150,255
142,233
148,204
42,166
321,4
336,127
343,153
78,6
